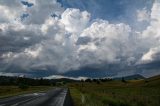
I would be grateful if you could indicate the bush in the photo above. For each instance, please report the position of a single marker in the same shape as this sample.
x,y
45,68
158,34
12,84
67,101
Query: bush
x,y
88,80
123,80
23,86
98,82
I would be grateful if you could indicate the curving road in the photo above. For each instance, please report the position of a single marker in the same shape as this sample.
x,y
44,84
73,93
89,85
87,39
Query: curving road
x,y
55,97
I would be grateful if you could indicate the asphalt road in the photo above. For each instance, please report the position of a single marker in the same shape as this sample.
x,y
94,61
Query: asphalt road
x,y
55,97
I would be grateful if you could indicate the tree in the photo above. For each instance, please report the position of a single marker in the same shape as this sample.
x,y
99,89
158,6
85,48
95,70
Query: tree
x,y
88,80
123,80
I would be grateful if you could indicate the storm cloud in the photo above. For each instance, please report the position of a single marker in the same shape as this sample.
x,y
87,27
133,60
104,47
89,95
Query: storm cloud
x,y
44,37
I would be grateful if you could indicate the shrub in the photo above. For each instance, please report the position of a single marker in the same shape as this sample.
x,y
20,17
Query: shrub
x,y
23,86
123,80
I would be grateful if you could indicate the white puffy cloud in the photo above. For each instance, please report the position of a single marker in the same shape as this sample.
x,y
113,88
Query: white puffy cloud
x,y
13,10
75,20
42,10
7,14
33,53
8,74
107,42
151,36
155,11
143,15
60,77
152,55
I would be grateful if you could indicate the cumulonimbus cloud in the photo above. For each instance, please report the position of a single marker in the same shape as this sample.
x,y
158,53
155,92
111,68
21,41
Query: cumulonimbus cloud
x,y
65,40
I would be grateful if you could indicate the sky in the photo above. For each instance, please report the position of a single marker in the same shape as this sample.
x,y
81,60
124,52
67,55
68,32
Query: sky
x,y
79,38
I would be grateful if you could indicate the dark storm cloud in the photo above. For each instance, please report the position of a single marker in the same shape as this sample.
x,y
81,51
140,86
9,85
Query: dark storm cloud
x,y
17,41
11,3
83,40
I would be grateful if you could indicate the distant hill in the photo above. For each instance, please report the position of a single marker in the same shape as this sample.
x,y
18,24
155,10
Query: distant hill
x,y
153,81
131,77
157,77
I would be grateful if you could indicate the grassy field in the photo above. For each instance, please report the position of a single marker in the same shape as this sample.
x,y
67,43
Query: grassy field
x,y
117,93
7,91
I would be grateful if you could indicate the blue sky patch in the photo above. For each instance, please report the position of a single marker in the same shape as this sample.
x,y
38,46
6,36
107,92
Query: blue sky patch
x,y
24,16
27,3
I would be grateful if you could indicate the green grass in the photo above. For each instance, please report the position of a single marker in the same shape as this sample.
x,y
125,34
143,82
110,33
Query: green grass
x,y
7,91
117,93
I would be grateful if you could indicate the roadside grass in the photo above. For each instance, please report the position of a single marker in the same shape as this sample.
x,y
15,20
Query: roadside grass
x,y
7,91
116,93
77,99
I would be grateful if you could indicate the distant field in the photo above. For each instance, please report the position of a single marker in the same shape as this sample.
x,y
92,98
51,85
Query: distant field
x,y
117,93
6,91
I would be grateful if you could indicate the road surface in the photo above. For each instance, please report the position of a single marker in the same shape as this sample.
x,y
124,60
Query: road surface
x,y
55,97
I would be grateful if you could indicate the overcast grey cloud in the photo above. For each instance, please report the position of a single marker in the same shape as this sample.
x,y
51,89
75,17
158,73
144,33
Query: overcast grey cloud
x,y
48,38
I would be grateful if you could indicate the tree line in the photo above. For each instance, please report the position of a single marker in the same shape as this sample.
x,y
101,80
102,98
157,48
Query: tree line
x,y
6,80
